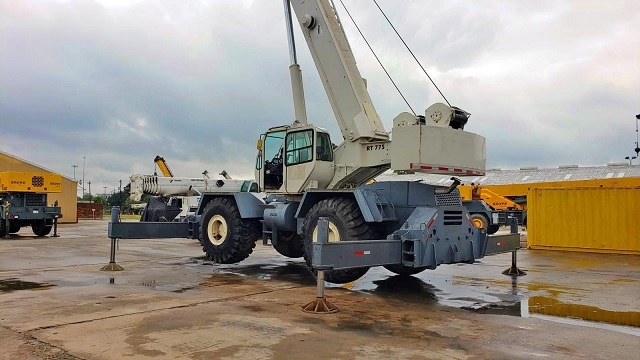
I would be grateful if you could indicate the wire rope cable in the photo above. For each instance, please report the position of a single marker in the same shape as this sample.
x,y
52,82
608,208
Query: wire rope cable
x,y
377,58
410,51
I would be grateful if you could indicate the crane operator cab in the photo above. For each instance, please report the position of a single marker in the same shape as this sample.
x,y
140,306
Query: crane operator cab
x,y
294,158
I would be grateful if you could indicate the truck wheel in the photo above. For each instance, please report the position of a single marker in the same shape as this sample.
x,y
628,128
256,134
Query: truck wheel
x,y
41,228
479,220
492,229
226,237
14,228
404,270
345,222
3,228
289,244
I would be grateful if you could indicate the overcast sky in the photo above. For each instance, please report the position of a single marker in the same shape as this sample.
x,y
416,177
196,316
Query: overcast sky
x,y
548,83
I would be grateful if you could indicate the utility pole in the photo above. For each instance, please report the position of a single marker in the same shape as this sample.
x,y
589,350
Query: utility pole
x,y
83,163
89,191
120,195
74,172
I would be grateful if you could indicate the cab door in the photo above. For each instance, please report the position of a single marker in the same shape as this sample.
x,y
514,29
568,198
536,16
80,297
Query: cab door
x,y
308,160
269,162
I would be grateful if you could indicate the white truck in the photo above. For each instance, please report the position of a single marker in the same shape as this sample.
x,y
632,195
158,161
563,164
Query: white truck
x,y
405,226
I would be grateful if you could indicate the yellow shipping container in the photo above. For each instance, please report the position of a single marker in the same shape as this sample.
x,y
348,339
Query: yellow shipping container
x,y
597,219
16,181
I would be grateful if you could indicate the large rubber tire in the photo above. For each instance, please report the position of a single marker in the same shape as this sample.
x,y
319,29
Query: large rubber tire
x,y
345,222
479,220
14,228
41,228
3,228
226,237
404,270
290,244
492,229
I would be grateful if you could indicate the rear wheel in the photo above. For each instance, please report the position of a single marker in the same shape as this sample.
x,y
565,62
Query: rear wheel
x,y
40,228
14,228
226,237
289,244
479,220
345,223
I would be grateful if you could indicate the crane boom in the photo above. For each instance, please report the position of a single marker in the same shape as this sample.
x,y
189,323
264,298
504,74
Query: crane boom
x,y
345,88
164,168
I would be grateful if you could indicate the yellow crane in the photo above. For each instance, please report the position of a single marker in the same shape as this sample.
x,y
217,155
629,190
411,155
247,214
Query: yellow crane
x,y
164,168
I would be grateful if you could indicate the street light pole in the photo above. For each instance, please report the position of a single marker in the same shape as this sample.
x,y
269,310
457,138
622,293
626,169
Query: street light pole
x,y
637,149
83,163
74,172
630,158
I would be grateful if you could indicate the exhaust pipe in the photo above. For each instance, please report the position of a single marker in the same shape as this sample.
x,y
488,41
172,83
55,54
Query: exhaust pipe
x,y
451,187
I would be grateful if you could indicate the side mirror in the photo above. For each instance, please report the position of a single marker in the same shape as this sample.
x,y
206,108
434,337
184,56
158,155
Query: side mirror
x,y
259,144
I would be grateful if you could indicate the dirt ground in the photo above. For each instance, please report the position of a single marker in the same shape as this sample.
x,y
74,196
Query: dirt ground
x,y
171,303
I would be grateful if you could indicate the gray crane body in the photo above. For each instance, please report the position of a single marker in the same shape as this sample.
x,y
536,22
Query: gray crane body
x,y
405,226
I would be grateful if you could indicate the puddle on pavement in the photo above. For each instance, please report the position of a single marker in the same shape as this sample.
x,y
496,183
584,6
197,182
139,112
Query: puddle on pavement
x,y
424,287
407,288
553,309
10,285
549,306
291,272
92,281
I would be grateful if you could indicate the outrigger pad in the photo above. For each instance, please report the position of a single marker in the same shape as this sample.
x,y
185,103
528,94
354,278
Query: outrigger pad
x,y
320,306
112,267
514,271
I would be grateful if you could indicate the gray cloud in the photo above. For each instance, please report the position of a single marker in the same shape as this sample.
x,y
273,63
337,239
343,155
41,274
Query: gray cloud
x,y
119,82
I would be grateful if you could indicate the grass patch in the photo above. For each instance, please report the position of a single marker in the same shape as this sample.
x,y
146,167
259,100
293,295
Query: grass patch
x,y
123,217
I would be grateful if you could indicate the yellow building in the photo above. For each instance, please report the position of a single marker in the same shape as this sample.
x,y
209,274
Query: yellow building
x,y
67,199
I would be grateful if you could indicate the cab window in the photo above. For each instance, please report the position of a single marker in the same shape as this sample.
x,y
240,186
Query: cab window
x,y
299,147
324,149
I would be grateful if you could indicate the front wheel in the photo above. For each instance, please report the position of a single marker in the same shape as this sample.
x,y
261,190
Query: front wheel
x,y
345,223
225,236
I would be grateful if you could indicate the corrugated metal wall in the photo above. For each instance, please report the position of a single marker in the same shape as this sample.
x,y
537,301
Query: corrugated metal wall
x,y
67,199
584,219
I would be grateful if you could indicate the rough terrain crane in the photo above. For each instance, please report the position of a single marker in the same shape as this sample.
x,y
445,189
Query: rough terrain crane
x,y
175,197
406,226
483,204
